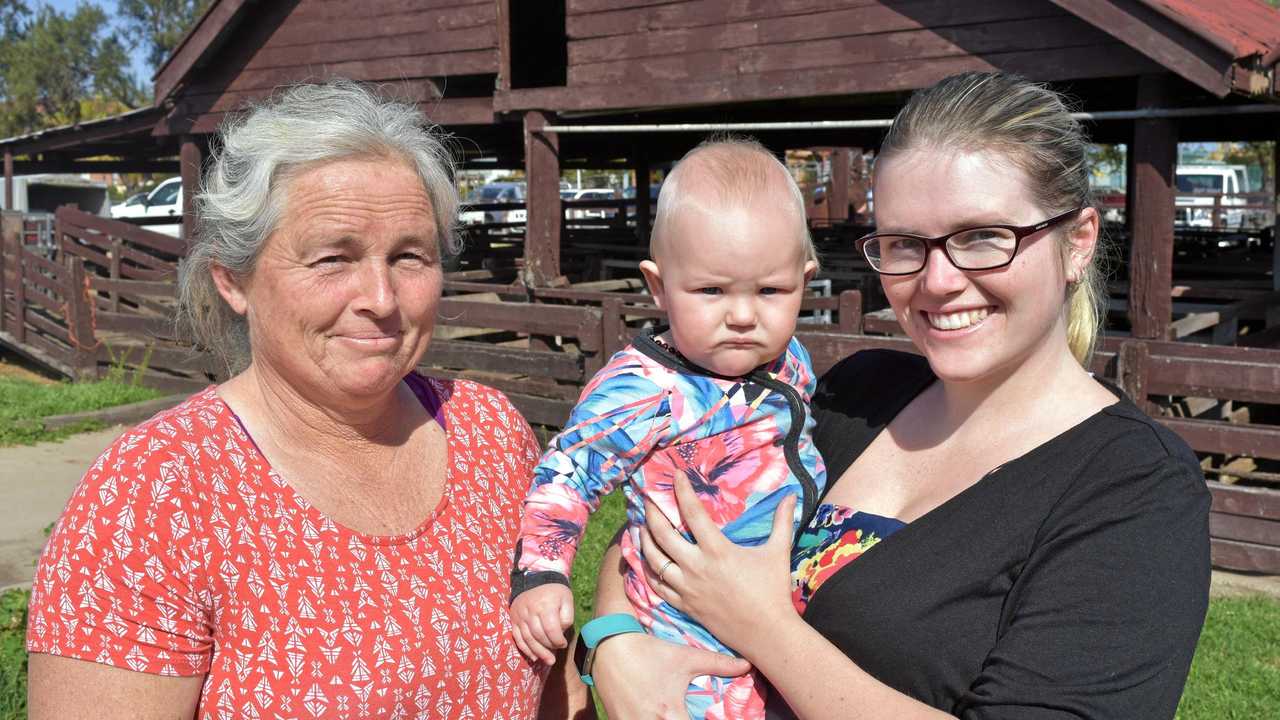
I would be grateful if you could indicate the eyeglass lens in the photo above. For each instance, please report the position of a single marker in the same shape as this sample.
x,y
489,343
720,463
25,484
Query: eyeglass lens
x,y
976,249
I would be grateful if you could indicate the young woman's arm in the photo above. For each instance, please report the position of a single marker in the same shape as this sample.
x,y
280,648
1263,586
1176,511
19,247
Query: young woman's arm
x,y
742,595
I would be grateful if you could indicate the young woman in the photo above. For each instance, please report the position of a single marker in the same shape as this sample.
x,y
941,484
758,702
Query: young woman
x,y
1004,536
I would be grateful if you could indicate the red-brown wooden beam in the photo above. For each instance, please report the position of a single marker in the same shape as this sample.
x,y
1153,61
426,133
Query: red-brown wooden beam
x,y
838,208
1151,202
189,159
542,175
1275,198
8,179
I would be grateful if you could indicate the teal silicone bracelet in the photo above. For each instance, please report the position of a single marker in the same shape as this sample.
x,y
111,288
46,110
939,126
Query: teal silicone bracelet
x,y
608,626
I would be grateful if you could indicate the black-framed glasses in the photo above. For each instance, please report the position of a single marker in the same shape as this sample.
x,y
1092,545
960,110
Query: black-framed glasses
x,y
975,248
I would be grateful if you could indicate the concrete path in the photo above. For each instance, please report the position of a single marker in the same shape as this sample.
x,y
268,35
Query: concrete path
x,y
35,483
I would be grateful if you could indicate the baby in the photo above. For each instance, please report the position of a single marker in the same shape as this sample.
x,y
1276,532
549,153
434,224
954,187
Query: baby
x,y
722,396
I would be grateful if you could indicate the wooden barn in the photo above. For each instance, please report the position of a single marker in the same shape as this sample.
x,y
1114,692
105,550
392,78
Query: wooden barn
x,y
549,86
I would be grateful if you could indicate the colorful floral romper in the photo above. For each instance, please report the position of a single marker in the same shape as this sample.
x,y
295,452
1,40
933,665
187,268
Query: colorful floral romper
x,y
745,443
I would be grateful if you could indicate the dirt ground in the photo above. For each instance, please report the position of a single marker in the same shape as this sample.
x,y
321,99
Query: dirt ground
x,y
35,483
15,367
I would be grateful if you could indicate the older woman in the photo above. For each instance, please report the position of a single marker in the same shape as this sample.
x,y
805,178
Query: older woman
x,y
327,533
1006,536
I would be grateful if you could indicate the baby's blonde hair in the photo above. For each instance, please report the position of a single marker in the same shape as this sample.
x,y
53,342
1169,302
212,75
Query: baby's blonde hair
x,y
731,172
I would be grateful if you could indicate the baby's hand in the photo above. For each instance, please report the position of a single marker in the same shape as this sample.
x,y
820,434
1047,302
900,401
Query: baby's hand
x,y
539,617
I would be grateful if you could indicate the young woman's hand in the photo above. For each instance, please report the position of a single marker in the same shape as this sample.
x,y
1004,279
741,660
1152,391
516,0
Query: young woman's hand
x,y
639,676
733,591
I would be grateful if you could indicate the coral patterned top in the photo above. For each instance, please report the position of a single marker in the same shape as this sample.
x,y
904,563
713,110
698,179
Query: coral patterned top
x,y
183,553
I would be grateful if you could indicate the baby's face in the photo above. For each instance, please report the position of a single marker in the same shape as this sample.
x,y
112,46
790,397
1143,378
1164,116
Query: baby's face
x,y
731,282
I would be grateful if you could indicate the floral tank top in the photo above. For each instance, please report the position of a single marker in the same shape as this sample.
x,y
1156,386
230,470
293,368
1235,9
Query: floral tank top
x,y
836,537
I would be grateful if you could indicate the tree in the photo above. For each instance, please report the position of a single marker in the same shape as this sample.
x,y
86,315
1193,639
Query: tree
x,y
59,69
158,25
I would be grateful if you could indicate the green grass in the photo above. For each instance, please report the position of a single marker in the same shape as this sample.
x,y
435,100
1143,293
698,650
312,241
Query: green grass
x,y
1236,671
13,655
586,566
23,403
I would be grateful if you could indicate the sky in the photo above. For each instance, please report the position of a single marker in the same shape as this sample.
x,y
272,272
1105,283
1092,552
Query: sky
x,y
140,69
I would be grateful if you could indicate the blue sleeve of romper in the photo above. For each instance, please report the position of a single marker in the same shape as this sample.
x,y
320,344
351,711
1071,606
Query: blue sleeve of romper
x,y
801,354
618,420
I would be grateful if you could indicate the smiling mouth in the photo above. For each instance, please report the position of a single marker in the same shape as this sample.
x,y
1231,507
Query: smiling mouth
x,y
957,320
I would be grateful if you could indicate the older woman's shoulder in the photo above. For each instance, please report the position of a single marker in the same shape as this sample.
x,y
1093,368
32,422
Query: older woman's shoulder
x,y
192,419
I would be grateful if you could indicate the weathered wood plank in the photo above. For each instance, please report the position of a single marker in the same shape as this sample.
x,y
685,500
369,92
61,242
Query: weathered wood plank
x,y
842,22
524,317
1215,436
1094,61
694,13
47,326
1248,557
470,62
449,111
483,357
134,287
1044,35
144,327
360,22
1244,529
1245,501
336,48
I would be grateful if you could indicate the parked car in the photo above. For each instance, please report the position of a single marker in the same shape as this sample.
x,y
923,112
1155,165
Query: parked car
x,y
1226,181
165,200
132,206
590,194
493,194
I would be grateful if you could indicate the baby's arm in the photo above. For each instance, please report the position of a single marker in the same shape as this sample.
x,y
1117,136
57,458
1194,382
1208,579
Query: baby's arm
x,y
616,422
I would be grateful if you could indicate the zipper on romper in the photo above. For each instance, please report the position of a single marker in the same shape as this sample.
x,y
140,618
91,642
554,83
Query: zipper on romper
x,y
791,447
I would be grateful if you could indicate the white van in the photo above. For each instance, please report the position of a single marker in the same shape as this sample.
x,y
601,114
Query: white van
x,y
164,201
1206,181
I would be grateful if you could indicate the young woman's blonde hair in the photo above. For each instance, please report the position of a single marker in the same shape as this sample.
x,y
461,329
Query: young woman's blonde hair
x,y
1032,126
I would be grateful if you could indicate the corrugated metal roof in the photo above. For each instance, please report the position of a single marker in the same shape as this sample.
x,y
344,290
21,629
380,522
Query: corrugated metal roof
x,y
1239,27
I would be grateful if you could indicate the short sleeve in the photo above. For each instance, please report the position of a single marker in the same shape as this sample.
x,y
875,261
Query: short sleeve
x,y
1103,620
121,581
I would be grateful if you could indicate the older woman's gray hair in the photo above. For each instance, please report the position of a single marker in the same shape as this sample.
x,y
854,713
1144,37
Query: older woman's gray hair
x,y
240,203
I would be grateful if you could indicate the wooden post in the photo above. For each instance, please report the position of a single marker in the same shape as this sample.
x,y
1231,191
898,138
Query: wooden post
x,y
189,162
84,346
1151,196
1275,222
542,173
849,313
117,249
642,197
19,289
1131,372
10,241
8,180
838,202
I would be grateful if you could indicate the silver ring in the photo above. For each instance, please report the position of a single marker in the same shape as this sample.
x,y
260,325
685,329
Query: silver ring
x,y
662,573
